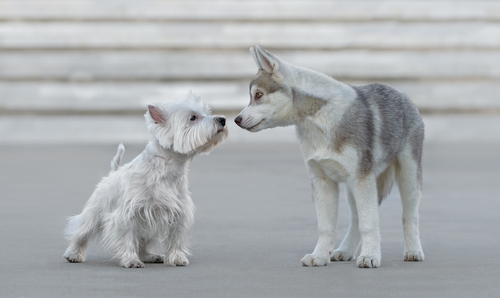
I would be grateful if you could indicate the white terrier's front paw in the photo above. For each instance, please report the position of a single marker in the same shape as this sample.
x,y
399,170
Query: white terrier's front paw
x,y
74,257
340,255
133,264
414,256
314,260
153,259
368,262
177,259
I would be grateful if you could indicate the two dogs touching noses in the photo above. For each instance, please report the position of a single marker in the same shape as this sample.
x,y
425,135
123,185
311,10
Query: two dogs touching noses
x,y
364,136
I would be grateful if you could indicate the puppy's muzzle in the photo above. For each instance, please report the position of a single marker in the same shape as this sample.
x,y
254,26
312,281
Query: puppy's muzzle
x,y
237,120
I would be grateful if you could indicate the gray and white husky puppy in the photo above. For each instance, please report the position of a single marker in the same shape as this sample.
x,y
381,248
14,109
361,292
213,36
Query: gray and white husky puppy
x,y
142,210
365,137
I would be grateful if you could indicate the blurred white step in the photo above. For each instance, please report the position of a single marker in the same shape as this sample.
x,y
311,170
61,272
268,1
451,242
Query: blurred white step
x,y
223,97
222,65
132,129
364,10
114,98
387,35
107,129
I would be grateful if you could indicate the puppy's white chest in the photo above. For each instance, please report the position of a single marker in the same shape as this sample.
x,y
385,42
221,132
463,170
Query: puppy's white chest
x,y
329,168
334,170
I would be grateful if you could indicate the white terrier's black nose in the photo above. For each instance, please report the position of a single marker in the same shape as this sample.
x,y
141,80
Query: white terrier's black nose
x,y
222,121
237,120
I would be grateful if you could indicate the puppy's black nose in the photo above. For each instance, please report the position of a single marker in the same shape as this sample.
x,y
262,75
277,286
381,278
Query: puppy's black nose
x,y
222,121
237,120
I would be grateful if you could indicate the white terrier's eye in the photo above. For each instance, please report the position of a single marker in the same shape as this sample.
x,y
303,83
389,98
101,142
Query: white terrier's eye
x,y
192,118
258,95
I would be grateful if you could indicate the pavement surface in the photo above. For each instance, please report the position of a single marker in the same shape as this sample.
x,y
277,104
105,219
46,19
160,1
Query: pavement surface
x,y
254,221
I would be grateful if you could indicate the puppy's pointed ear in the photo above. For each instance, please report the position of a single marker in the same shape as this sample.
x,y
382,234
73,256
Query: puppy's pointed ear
x,y
255,58
157,114
270,63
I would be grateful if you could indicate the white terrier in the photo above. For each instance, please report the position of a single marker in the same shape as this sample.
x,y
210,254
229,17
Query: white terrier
x,y
145,204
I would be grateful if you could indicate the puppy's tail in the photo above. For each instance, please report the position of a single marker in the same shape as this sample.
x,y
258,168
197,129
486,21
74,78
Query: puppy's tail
x,y
117,160
385,182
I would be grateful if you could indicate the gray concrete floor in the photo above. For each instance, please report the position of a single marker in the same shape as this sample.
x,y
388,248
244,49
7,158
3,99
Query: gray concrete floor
x,y
255,220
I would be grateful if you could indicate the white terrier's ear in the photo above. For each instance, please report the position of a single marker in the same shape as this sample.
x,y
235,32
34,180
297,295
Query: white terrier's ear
x,y
157,114
269,63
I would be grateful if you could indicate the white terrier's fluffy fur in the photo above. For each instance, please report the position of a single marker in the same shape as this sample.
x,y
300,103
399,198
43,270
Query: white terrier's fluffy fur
x,y
144,206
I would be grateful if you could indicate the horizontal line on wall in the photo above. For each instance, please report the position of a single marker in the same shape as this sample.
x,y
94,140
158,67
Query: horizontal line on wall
x,y
34,49
365,80
114,112
486,19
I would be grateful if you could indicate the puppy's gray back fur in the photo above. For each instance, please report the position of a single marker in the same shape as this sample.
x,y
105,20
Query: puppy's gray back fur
x,y
379,108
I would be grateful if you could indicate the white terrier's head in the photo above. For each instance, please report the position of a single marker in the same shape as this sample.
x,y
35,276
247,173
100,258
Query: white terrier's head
x,y
186,126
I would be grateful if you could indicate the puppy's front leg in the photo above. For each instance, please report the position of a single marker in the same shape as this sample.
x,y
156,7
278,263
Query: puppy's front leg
x,y
325,194
366,198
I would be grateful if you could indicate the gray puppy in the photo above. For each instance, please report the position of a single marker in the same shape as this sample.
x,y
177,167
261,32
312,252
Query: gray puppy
x,y
366,137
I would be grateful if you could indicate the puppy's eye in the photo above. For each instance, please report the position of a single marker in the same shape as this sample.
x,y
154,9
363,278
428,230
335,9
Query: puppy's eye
x,y
192,118
258,95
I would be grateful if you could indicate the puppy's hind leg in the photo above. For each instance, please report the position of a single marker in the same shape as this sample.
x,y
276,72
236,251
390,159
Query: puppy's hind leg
x,y
366,198
349,245
409,179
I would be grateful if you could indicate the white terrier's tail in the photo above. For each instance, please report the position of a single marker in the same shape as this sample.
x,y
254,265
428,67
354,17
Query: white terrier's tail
x,y
117,160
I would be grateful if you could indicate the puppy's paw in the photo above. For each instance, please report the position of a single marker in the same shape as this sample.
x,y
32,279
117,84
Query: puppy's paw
x,y
368,262
74,257
414,256
314,260
133,264
340,255
153,259
177,259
